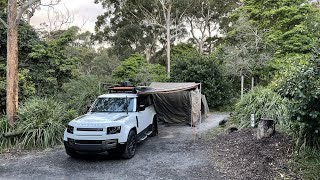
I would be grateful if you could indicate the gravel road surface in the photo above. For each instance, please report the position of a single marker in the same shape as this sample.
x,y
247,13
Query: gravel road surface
x,y
176,153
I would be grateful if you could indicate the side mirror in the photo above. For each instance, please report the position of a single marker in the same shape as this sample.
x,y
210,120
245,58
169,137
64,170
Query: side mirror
x,y
141,107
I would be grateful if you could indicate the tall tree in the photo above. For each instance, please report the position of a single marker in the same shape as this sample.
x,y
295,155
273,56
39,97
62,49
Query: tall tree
x,y
160,16
207,19
14,15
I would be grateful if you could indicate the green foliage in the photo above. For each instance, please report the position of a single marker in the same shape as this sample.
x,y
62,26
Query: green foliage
x,y
277,30
3,4
264,103
137,26
181,50
245,51
42,121
27,38
41,124
301,86
51,65
139,71
128,29
207,71
307,163
99,63
82,91
5,142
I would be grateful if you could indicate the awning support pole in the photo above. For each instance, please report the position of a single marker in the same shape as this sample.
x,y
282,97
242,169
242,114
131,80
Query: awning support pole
x,y
200,94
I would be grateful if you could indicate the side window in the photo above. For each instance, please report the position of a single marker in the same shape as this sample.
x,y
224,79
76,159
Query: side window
x,y
144,100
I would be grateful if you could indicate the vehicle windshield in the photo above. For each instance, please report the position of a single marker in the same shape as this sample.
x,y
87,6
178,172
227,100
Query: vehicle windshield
x,y
113,105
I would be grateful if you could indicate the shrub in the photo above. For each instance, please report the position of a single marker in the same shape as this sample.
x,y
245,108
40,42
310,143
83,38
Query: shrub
x,y
207,71
302,87
139,71
41,121
264,103
81,92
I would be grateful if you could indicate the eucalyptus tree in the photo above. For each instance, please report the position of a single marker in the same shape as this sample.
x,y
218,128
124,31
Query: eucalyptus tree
x,y
208,19
141,25
15,11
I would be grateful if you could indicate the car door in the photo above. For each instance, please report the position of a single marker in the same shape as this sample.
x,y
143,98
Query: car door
x,y
144,112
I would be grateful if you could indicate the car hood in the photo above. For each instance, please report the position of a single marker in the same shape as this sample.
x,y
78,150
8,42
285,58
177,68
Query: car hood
x,y
100,117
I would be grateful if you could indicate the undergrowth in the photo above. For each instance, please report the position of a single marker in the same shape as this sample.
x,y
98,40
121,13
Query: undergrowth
x,y
264,103
40,124
307,164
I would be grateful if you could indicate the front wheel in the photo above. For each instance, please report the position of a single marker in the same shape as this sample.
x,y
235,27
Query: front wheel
x,y
71,152
129,148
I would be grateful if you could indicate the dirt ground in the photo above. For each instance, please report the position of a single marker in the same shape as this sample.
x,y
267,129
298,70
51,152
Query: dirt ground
x,y
177,153
239,155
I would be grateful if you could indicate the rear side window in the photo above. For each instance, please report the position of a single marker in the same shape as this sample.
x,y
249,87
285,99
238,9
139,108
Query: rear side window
x,y
145,100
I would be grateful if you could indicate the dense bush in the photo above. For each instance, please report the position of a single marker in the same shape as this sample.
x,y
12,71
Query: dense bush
x,y
42,121
302,87
81,92
207,71
264,103
139,71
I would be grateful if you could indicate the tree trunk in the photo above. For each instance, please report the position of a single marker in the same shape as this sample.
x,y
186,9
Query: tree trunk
x,y
12,63
168,23
201,45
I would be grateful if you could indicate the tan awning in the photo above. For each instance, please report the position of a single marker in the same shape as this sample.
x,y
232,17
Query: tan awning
x,y
167,87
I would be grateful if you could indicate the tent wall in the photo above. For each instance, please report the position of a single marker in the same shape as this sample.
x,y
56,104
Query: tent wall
x,y
196,106
204,107
173,107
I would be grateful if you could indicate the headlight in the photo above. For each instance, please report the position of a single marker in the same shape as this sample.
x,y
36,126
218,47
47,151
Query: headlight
x,y
113,130
70,129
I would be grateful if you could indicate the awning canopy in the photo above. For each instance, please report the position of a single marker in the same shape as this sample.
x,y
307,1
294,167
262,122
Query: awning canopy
x,y
158,87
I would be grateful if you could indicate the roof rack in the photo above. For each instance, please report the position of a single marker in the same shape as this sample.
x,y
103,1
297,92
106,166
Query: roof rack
x,y
124,87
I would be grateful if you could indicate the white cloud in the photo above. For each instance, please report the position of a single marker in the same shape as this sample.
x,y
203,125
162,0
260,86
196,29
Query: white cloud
x,y
82,10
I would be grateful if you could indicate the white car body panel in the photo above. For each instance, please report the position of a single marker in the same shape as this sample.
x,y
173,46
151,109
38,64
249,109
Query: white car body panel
x,y
102,120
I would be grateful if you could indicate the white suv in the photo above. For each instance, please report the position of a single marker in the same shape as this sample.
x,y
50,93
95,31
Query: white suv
x,y
115,123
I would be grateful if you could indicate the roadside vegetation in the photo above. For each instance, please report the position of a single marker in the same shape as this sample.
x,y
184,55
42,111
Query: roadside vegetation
x,y
272,44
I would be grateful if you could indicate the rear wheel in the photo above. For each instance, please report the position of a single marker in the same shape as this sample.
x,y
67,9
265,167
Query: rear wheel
x,y
129,148
154,126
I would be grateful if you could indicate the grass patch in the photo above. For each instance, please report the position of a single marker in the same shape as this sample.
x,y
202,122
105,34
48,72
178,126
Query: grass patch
x,y
6,142
307,164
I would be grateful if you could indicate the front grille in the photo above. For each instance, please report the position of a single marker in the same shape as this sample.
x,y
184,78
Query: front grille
x,y
89,129
88,141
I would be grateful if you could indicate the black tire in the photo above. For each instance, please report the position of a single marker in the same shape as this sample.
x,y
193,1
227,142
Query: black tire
x,y
129,149
71,152
154,127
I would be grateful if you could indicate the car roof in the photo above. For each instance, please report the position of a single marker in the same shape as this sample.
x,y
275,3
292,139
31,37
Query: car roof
x,y
114,95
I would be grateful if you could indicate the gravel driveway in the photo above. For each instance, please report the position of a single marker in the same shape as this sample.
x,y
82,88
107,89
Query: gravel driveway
x,y
174,154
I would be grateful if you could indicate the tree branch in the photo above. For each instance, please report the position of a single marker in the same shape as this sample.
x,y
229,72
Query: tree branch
x,y
23,8
192,29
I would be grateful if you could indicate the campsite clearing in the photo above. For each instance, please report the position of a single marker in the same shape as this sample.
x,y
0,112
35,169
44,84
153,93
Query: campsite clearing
x,y
173,154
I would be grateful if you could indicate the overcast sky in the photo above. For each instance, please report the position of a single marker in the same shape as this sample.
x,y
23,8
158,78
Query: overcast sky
x,y
82,10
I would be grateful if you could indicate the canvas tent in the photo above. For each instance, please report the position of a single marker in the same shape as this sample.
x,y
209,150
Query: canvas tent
x,y
178,102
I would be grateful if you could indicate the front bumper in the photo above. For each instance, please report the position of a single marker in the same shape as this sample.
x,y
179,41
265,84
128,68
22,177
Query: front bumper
x,y
91,145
